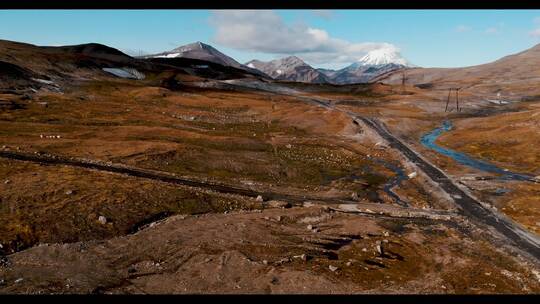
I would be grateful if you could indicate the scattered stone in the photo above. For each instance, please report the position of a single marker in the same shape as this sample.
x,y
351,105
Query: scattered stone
x,y
303,257
289,146
69,192
364,249
265,262
4,147
348,263
278,204
332,268
386,233
354,196
412,175
368,211
309,227
102,220
379,249
488,273
18,280
259,198
207,260
267,218
278,218
308,204
7,181
2,282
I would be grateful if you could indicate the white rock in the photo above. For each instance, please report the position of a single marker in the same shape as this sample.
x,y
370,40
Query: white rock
x,y
19,280
412,175
259,198
332,268
309,227
102,219
379,249
308,204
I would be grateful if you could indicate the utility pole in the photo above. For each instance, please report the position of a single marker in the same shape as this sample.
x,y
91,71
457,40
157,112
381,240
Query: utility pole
x,y
458,109
403,79
448,100
457,100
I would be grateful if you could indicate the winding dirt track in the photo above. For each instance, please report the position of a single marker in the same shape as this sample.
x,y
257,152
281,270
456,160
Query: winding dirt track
x,y
159,176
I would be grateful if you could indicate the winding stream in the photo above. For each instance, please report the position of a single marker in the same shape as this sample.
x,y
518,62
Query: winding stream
x,y
428,140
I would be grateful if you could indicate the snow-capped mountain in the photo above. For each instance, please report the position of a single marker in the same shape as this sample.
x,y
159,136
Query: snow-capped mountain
x,y
289,68
372,65
198,50
383,56
202,51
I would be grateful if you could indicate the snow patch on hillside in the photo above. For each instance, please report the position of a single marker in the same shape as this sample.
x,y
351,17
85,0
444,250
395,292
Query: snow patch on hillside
x,y
129,73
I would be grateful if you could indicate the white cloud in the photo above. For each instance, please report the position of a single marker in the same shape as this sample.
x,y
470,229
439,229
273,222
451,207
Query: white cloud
x,y
463,28
265,31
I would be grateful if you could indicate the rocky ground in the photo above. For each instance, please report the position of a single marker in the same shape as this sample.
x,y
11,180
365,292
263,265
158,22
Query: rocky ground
x,y
67,229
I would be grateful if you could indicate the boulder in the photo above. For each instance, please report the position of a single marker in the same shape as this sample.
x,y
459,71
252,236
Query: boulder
x,y
259,198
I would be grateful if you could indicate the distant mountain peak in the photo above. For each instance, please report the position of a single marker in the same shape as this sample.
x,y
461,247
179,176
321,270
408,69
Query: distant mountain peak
x,y
383,56
194,46
290,68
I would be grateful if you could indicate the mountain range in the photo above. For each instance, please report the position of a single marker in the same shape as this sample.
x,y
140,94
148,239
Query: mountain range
x,y
293,68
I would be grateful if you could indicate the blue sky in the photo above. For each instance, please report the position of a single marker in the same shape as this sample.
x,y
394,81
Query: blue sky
x,y
429,38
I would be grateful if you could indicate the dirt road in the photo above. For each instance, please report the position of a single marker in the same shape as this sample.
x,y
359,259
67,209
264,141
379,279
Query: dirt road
x,y
470,207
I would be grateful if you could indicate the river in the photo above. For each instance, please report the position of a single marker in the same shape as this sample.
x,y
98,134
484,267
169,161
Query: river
x,y
428,140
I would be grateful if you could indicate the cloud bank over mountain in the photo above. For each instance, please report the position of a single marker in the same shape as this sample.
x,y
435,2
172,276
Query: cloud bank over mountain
x,y
266,32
